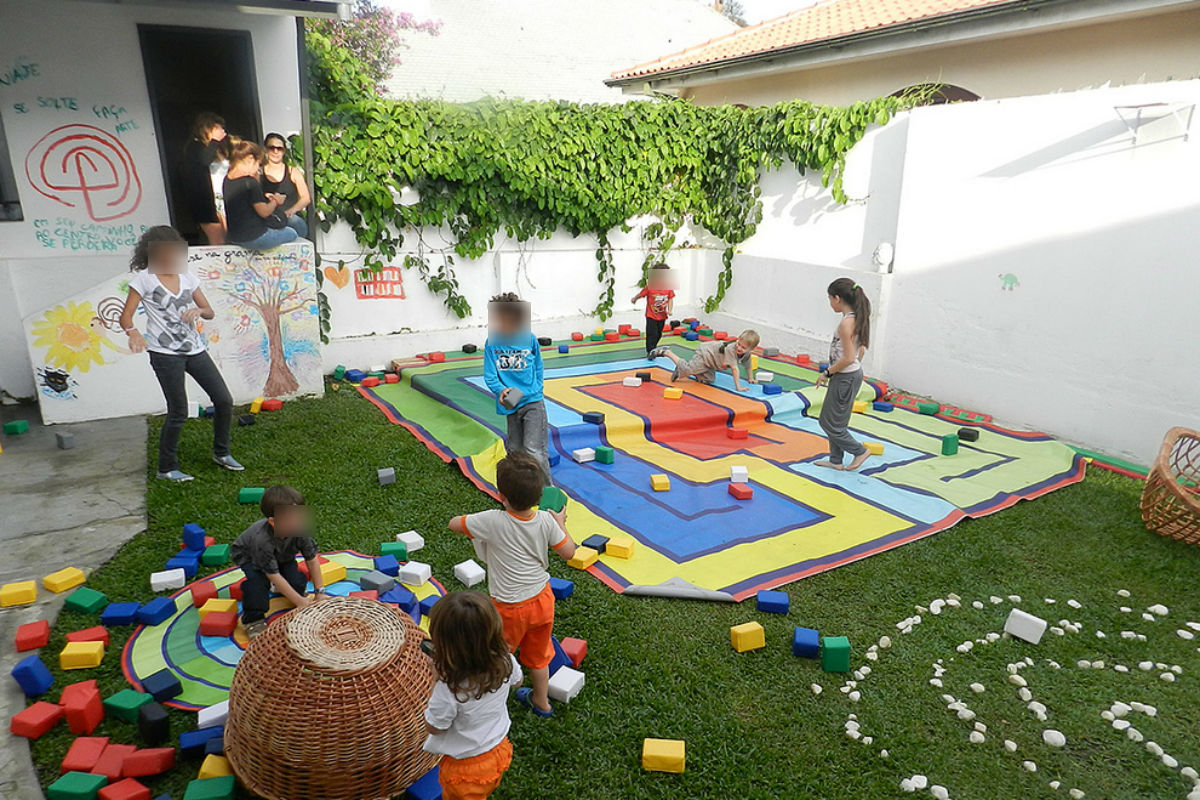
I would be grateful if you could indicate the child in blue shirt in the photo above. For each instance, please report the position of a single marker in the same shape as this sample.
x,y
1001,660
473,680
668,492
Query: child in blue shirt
x,y
512,370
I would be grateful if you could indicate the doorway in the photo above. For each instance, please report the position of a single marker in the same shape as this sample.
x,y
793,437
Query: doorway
x,y
190,70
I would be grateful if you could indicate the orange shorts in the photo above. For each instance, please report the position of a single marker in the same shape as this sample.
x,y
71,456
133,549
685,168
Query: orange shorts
x,y
527,627
476,777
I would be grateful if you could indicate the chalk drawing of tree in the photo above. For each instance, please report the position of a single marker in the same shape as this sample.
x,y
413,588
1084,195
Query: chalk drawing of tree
x,y
261,288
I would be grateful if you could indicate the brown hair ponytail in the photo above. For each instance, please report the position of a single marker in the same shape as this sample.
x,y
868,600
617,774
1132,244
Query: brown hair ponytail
x,y
853,296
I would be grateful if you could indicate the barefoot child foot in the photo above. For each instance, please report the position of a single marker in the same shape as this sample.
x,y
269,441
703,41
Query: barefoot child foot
x,y
825,462
857,462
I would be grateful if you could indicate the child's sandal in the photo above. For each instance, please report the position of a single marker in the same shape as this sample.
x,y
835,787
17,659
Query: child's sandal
x,y
525,698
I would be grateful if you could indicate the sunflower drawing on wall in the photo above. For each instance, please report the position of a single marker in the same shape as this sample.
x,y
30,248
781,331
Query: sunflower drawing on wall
x,y
74,336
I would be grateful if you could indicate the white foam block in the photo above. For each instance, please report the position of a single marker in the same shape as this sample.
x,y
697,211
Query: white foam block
x,y
566,684
1024,625
415,573
632,382
167,579
584,454
762,376
469,573
412,540
213,715
739,475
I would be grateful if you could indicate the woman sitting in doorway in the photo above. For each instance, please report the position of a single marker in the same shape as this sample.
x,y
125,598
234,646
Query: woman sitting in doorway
x,y
255,219
199,157
281,178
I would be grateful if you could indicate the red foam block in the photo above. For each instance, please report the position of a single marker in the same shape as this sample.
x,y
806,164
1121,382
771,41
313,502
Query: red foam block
x,y
803,358
219,623
623,329
151,761
128,789
203,592
235,589
391,377
272,404
741,491
576,649
577,337
83,706
96,633
112,761
370,381
635,332
366,594
721,335
303,565
36,720
33,635
612,336
437,358
737,433
209,541
84,753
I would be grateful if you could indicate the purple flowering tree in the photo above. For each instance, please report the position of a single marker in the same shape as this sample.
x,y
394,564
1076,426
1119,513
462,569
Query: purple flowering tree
x,y
374,36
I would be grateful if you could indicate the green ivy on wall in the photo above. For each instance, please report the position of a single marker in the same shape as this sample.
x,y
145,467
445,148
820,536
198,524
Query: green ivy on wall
x,y
528,169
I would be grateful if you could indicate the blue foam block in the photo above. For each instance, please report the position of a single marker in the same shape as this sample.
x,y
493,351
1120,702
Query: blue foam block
x,y
594,417
554,459
806,643
562,348
401,597
691,336
192,553
157,610
355,375
120,614
388,565
188,565
162,685
561,659
215,746
193,536
562,588
427,787
772,388
164,797
694,324
772,602
427,603
822,366
192,743
880,405
596,542
32,675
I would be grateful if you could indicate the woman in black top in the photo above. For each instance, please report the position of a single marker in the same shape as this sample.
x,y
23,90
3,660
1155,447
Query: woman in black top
x,y
195,175
286,180
253,218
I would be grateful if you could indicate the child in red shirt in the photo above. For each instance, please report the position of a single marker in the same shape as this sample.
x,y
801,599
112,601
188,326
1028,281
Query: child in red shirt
x,y
660,302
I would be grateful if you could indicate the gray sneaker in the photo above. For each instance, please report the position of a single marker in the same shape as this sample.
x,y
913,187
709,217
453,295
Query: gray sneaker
x,y
656,353
253,629
228,462
176,476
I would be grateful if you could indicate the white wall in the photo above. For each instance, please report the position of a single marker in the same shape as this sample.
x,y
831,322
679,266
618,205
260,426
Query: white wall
x,y
87,57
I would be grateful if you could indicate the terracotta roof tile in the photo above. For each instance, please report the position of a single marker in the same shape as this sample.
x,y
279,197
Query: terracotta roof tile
x,y
829,19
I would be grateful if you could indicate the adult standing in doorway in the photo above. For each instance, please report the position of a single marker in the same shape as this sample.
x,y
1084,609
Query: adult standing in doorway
x,y
279,177
254,218
208,137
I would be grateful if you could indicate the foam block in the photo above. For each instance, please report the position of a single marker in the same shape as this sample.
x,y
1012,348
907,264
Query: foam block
x,y
401,596
720,335
81,655
560,658
660,483
203,592
219,623
742,491
115,614
584,557
215,555
189,566
612,336
191,743
365,594
835,654
339,372
644,377
76,786
664,755
354,375
762,376
747,636
593,417
392,377
150,761
65,578
160,609
624,329
377,581
36,720
331,572
250,494
96,633
153,724
82,707
553,499
575,649
83,754
554,459
562,588
806,643
1024,626
562,348
583,455
577,336
386,475
167,579
162,685
19,593
737,433
874,448
427,603
112,761
691,336
397,550
770,352
566,684
949,444
469,572
968,434
32,635
412,540
214,767
672,393
415,573
619,547
605,455
772,388
235,589
126,704
256,405
596,542
925,407
124,789
512,397
215,746
632,382
739,474
427,787
210,789
883,405
32,676
772,602
272,404
16,427
859,407
803,358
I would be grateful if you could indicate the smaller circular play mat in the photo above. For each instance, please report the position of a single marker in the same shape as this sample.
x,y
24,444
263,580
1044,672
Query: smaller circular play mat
x,y
328,704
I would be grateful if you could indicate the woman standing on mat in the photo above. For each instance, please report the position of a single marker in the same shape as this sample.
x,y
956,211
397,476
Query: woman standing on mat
x,y
844,373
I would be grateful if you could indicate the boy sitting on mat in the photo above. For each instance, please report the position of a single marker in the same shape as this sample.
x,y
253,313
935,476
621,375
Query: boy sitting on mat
x,y
514,542
713,356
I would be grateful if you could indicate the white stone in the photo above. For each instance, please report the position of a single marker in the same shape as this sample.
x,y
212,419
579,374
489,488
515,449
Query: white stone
x,y
976,737
865,670
1010,745
1055,784
1126,610
1169,677
884,642
415,573
906,785
1029,766
213,715
1076,794
566,684
1121,724
1128,635
1189,773
1101,635
1107,715
939,792
858,675
1183,633
1097,664
965,647
1122,592
1120,709
919,781
883,753
948,698
978,688
1074,603
1014,598
1158,609
1145,666
852,723
1194,626
1134,734
872,655
413,541
167,579
1036,707
1169,760
1025,626
631,381
868,739
739,474
853,734
855,696
1178,670
936,606
1054,738
1154,749
966,715
1024,694
979,726
1050,601
816,688
584,454
1057,631
976,604
996,600
954,601
1146,615
1017,680
469,572
992,637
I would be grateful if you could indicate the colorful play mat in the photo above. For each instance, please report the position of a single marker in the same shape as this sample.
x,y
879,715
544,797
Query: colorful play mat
x,y
205,664
696,540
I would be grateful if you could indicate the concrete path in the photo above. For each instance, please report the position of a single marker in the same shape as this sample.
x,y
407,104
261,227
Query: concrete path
x,y
59,508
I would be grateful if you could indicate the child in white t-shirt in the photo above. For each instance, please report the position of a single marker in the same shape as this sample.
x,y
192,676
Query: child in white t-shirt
x,y
173,303
467,716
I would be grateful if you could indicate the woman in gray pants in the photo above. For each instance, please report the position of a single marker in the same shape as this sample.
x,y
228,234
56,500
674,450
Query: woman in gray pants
x,y
844,374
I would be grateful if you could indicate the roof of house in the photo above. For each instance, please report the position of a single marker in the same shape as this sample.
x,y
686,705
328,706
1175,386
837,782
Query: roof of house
x,y
825,21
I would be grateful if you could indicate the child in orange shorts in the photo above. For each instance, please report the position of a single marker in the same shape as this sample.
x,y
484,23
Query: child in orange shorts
x,y
514,543
467,716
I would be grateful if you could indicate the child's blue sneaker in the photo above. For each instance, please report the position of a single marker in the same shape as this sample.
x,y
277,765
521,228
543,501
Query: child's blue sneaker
x,y
525,698
175,476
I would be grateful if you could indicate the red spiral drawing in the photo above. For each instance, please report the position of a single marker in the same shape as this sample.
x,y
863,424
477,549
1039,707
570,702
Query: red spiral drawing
x,y
80,165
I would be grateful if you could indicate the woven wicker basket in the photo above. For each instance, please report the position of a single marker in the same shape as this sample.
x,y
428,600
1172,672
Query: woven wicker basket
x,y
1171,499
328,704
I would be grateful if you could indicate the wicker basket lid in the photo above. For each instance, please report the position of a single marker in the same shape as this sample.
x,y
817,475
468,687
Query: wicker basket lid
x,y
328,704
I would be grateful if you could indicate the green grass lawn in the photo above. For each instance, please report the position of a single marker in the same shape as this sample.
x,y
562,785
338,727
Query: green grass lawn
x,y
753,727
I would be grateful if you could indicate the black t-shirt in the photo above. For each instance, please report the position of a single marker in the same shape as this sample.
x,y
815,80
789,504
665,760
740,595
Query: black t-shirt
x,y
245,225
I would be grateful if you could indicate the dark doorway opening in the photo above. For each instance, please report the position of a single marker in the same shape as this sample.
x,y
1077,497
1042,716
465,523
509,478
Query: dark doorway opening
x,y
190,70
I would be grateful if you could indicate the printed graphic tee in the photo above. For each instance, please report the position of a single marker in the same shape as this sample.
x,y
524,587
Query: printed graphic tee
x,y
166,332
657,301
513,361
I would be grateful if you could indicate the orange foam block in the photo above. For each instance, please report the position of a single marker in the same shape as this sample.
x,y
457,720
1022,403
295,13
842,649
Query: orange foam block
x,y
741,491
127,789
111,763
152,761
96,633
37,720
737,433
82,706
83,754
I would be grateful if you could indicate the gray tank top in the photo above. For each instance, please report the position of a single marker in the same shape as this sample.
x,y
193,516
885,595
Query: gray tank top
x,y
836,351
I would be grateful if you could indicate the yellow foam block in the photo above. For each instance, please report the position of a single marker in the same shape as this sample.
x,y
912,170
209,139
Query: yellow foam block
x,y
747,636
217,604
256,406
18,594
81,655
214,766
672,393
584,557
619,547
660,483
874,448
332,572
66,578
753,362
860,407
664,755
599,331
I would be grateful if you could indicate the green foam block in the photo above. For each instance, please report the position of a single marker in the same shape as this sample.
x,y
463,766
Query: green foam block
x,y
553,498
215,555
397,549
250,495
16,426
76,786
87,600
835,654
604,455
597,337
210,789
949,444
339,372
928,408
125,704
